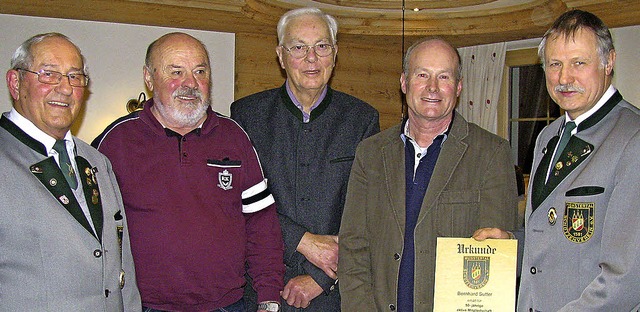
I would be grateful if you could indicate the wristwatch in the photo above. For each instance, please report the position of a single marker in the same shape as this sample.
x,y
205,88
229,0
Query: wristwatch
x,y
270,306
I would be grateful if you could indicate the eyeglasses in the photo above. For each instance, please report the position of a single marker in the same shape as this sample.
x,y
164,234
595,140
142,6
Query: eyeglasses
x,y
54,77
301,50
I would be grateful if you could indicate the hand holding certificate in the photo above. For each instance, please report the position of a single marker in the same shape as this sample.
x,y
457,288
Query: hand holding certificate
x,y
475,276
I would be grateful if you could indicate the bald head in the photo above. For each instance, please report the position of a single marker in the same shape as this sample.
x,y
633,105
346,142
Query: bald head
x,y
170,39
432,41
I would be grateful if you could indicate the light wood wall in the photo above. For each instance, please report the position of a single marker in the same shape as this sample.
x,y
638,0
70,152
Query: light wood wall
x,y
367,69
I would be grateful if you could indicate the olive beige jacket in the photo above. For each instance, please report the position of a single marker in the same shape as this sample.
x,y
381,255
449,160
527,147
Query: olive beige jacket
x,y
473,185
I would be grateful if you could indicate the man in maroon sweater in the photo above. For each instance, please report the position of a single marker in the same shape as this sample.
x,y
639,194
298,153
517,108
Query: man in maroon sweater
x,y
197,202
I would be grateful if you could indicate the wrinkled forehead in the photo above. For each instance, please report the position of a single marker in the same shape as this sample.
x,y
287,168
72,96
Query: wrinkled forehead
x,y
56,52
180,51
579,35
434,52
310,27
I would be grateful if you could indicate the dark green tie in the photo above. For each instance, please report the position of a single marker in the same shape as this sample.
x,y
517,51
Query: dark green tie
x,y
566,135
65,163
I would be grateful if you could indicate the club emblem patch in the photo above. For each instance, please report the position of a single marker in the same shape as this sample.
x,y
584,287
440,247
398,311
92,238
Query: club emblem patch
x,y
578,221
476,271
224,180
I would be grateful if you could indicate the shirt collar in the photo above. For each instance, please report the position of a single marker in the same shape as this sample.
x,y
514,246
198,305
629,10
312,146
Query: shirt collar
x,y
30,129
297,103
405,133
605,97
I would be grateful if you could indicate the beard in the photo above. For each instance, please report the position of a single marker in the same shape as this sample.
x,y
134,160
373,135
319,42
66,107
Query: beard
x,y
184,115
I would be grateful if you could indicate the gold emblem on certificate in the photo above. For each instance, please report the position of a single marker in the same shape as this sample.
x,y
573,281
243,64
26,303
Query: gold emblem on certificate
x,y
476,271
474,276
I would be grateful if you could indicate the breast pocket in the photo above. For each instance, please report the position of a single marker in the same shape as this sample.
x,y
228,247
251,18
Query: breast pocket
x,y
226,185
582,218
585,191
456,213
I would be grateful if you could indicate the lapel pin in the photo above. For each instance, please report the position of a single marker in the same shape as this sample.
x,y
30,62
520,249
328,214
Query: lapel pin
x,y
552,215
94,197
121,279
36,169
64,199
559,165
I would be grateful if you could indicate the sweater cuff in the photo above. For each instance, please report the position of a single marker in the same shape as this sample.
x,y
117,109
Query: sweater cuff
x,y
269,294
327,283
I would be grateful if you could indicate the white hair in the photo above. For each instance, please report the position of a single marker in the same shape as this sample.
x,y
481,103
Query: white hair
x,y
287,17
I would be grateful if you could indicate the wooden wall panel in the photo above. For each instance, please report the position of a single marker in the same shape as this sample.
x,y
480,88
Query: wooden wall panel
x,y
369,70
256,64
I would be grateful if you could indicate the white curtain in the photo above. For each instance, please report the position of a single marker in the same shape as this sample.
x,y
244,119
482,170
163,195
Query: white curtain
x,y
482,68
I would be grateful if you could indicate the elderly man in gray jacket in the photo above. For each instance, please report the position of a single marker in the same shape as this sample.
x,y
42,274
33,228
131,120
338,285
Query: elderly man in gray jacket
x,y
64,243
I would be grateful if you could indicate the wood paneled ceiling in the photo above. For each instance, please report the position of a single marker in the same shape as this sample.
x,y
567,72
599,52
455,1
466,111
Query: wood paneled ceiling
x,y
463,22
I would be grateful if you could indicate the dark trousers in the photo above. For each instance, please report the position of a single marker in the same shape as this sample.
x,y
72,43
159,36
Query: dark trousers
x,y
235,307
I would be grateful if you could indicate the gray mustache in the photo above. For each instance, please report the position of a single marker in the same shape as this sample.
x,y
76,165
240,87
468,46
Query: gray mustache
x,y
188,92
568,88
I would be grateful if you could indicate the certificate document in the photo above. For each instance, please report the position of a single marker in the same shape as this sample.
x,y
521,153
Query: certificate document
x,y
475,276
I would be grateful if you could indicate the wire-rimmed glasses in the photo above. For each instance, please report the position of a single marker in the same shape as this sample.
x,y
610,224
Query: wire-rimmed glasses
x,y
54,77
301,50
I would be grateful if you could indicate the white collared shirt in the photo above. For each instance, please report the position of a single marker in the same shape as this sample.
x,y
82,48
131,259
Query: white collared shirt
x,y
605,97
420,151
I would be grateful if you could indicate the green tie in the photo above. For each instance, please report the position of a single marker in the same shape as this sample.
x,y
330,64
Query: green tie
x,y
566,135
65,163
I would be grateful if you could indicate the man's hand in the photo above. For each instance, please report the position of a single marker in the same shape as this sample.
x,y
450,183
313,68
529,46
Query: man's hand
x,y
300,290
484,233
321,251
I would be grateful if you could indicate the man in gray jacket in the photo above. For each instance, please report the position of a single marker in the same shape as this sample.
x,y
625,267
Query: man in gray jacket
x,y
306,135
64,243
581,250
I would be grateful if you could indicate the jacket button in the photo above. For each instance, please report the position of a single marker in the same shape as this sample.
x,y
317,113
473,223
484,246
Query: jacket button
x,y
392,307
97,253
396,256
533,270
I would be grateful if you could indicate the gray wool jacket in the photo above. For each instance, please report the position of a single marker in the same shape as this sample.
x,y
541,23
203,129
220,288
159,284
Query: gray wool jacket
x,y
581,250
50,257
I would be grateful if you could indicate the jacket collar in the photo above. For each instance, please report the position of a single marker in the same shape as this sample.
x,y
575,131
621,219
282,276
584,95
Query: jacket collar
x,y
315,113
22,136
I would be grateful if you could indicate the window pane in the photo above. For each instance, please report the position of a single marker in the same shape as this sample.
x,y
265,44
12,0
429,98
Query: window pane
x,y
527,133
534,101
531,110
